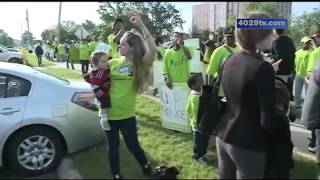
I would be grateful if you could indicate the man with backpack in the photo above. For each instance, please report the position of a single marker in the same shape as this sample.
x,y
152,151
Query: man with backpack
x,y
220,54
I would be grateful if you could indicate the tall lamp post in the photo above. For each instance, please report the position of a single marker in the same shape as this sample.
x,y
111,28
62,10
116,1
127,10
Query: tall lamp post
x,y
59,24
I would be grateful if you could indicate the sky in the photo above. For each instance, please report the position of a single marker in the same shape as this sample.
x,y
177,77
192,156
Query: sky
x,y
43,15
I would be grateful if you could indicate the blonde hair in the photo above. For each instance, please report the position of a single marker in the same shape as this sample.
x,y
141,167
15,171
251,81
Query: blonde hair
x,y
249,38
141,73
97,56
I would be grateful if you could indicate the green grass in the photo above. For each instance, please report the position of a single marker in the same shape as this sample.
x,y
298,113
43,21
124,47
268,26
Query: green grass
x,y
33,61
167,147
62,73
162,146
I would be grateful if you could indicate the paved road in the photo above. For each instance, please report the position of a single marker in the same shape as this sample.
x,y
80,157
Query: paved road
x,y
63,65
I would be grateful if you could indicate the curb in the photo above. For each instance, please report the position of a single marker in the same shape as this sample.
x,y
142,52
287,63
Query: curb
x,y
305,155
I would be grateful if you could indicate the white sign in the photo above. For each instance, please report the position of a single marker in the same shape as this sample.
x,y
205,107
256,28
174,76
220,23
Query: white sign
x,y
193,43
196,66
158,78
82,33
173,107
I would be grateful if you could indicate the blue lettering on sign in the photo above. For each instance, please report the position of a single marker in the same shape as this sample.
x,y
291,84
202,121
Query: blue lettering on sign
x,y
124,69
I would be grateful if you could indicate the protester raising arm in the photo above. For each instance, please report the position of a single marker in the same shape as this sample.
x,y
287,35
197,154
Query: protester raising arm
x,y
185,49
151,50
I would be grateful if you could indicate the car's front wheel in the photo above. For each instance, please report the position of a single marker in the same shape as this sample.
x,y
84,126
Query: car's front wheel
x,y
34,151
15,60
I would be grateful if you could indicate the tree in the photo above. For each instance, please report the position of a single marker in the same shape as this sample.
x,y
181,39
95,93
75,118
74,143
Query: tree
x,y
159,18
5,39
27,38
231,20
89,26
195,32
267,7
68,25
205,34
305,25
48,34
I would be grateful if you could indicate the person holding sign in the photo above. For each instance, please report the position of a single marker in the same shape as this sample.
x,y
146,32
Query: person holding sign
x,y
220,54
176,62
129,74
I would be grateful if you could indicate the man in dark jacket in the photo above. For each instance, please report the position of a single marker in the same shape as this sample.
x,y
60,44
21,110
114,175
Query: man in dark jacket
x,y
39,53
284,48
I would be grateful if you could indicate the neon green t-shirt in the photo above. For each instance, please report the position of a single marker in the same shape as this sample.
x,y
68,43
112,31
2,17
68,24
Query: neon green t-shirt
x,y
74,53
84,52
93,46
301,62
192,108
123,93
113,44
314,58
176,65
207,56
219,55
60,49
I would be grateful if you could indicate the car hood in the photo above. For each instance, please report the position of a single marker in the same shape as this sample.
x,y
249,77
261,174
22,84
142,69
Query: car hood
x,y
80,85
15,53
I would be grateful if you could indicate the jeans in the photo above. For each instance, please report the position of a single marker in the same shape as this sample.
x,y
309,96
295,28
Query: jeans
x,y
312,143
84,66
39,59
299,82
200,144
239,163
290,85
68,59
128,129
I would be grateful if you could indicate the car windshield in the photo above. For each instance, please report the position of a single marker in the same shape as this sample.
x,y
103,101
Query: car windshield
x,y
3,49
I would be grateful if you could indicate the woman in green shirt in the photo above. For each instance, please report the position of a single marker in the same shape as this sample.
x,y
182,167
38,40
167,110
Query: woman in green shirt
x,y
128,76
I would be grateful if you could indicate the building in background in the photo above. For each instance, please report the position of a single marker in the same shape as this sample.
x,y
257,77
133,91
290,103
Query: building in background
x,y
213,15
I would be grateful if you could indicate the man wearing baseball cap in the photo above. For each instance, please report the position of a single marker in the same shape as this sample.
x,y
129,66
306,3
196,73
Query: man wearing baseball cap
x,y
315,55
222,53
301,63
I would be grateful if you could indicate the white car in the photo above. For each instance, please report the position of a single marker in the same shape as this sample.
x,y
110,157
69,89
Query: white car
x,y
10,56
42,118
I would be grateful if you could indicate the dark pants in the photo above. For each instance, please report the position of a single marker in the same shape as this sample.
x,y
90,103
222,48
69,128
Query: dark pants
x,y
68,61
39,59
200,144
84,66
290,85
313,138
128,129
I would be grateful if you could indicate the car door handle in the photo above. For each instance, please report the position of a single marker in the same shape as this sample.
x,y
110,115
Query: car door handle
x,y
8,111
